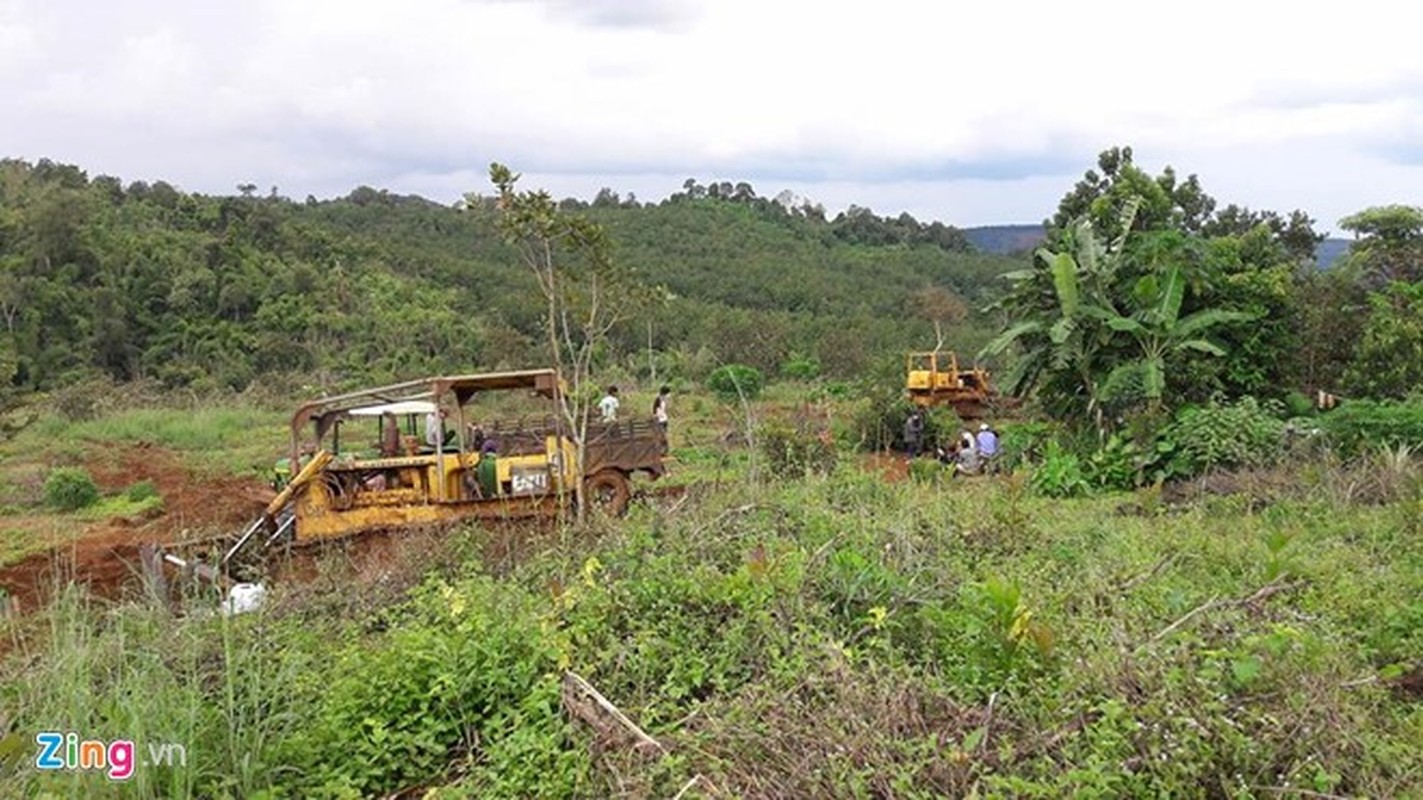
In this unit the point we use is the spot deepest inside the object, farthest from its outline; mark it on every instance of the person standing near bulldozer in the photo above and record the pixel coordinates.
(608, 406)
(434, 429)
(487, 470)
(659, 408)
(389, 435)
(914, 433)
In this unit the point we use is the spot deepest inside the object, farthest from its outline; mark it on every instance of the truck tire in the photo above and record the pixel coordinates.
(608, 492)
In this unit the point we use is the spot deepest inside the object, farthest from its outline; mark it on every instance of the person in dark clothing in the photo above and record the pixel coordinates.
(914, 433)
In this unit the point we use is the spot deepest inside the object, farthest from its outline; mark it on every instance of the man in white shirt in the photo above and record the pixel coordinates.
(987, 444)
(608, 406)
(659, 408)
(435, 428)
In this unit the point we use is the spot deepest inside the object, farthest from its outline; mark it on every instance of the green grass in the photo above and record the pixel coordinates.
(16, 544)
(121, 506)
(201, 429)
(231, 438)
(763, 631)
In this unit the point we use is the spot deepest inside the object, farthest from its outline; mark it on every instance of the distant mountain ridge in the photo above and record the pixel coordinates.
(1021, 238)
(1005, 239)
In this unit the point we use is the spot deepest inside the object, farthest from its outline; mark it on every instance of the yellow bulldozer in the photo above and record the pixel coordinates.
(361, 462)
(936, 379)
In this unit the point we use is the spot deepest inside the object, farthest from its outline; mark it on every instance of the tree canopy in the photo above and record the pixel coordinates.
(144, 280)
(1147, 293)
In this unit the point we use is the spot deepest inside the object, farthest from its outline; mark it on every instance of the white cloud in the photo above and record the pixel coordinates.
(966, 112)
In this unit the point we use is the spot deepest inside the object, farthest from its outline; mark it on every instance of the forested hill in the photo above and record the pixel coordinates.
(1005, 238)
(1018, 239)
(140, 280)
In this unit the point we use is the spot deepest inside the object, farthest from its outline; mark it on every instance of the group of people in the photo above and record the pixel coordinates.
(608, 406)
(436, 435)
(969, 454)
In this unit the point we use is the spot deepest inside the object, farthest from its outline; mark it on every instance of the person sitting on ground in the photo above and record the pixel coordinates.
(947, 454)
(968, 460)
(987, 445)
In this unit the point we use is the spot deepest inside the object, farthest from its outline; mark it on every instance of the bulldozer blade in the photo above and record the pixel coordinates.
(257, 524)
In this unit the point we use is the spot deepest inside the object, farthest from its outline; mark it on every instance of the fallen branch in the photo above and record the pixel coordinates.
(1265, 592)
(572, 682)
(1283, 790)
(1269, 590)
(695, 780)
(988, 722)
(724, 515)
(1140, 579)
(1209, 605)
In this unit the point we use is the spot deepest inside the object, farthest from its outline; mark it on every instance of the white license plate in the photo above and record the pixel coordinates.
(529, 481)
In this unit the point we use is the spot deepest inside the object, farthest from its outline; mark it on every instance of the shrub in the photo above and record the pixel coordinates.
(1359, 425)
(801, 367)
(70, 489)
(927, 470)
(1022, 441)
(1060, 473)
(143, 490)
(735, 381)
(792, 452)
(881, 427)
(471, 668)
(1117, 465)
(1218, 435)
(1299, 404)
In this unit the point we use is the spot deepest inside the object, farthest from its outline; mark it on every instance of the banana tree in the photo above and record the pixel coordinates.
(1159, 331)
(1062, 308)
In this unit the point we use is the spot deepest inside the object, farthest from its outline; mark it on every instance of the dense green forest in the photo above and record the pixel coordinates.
(147, 281)
(140, 280)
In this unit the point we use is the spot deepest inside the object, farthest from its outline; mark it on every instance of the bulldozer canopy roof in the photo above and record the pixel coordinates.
(426, 391)
(399, 407)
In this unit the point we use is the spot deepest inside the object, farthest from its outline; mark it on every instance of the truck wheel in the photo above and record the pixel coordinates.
(608, 491)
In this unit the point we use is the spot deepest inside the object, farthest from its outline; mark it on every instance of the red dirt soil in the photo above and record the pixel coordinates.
(891, 466)
(105, 555)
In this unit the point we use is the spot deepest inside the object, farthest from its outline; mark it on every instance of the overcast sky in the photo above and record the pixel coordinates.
(970, 113)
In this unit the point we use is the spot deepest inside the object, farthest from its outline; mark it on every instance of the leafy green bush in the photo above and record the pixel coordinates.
(143, 490)
(736, 381)
(1021, 442)
(472, 673)
(70, 489)
(1298, 404)
(880, 426)
(1117, 465)
(792, 452)
(1220, 435)
(1359, 425)
(801, 367)
(1059, 474)
(927, 470)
